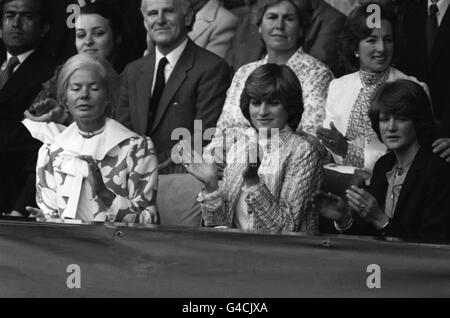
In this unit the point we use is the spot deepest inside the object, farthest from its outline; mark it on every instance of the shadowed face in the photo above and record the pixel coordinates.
(22, 29)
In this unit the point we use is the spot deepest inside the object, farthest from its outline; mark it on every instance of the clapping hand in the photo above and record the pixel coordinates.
(203, 170)
(47, 110)
(366, 206)
(333, 140)
(332, 207)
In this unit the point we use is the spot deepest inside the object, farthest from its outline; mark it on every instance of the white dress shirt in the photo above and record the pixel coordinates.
(172, 58)
(442, 6)
(22, 57)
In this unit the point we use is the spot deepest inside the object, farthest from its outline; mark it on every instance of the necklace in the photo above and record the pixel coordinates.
(90, 134)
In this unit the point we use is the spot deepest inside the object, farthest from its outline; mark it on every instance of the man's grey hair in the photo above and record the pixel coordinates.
(187, 7)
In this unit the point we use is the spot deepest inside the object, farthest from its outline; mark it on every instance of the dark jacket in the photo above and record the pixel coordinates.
(413, 58)
(423, 209)
(196, 90)
(18, 150)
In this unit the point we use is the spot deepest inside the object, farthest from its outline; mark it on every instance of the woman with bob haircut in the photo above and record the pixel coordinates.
(281, 24)
(368, 54)
(271, 175)
(96, 170)
(409, 194)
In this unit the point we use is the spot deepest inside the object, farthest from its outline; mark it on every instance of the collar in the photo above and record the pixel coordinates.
(441, 4)
(208, 11)
(22, 57)
(280, 140)
(292, 60)
(98, 146)
(173, 56)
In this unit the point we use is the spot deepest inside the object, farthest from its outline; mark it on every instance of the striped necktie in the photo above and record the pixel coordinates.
(9, 69)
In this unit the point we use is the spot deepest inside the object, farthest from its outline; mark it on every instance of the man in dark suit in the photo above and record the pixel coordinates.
(24, 24)
(323, 23)
(174, 85)
(424, 53)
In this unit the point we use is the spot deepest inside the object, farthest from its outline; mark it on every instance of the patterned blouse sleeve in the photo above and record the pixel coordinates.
(46, 196)
(142, 169)
(293, 212)
(315, 90)
(214, 205)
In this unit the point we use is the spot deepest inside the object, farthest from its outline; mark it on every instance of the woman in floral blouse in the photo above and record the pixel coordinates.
(96, 170)
(280, 24)
(270, 175)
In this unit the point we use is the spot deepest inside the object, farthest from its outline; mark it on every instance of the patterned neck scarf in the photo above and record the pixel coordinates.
(359, 126)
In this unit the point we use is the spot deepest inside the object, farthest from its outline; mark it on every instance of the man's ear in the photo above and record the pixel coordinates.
(45, 30)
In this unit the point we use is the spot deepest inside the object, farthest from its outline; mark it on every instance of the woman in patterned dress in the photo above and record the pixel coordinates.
(281, 24)
(368, 52)
(270, 176)
(96, 170)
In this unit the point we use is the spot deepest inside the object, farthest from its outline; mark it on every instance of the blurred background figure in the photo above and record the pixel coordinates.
(96, 170)
(321, 25)
(409, 194)
(271, 193)
(214, 27)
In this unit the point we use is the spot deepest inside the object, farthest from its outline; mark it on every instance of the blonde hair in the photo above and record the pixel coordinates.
(88, 61)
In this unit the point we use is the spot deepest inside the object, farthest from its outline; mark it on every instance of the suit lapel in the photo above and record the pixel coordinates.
(442, 39)
(144, 87)
(410, 181)
(204, 18)
(18, 79)
(175, 80)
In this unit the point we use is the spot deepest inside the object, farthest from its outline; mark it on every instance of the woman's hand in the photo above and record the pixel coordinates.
(95, 179)
(333, 140)
(39, 214)
(366, 206)
(205, 172)
(332, 207)
(47, 110)
(442, 148)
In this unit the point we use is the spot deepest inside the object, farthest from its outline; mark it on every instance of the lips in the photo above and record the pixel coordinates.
(380, 58)
(84, 107)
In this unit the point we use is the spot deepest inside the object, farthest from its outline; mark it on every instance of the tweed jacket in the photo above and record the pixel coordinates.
(289, 175)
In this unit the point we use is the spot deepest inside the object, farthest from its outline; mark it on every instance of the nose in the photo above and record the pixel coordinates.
(161, 18)
(84, 94)
(16, 20)
(263, 109)
(380, 46)
(392, 125)
(279, 23)
(88, 40)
